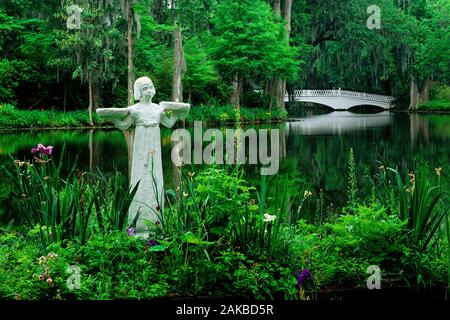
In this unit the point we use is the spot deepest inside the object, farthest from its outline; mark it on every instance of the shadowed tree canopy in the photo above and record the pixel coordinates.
(212, 51)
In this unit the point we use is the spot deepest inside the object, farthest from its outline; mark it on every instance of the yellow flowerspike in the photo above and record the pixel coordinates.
(438, 171)
(413, 177)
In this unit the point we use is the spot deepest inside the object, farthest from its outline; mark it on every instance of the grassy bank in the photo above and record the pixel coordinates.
(435, 105)
(11, 118)
(228, 114)
(439, 99)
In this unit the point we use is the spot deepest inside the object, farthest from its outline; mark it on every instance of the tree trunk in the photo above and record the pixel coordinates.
(237, 91)
(91, 155)
(425, 94)
(95, 92)
(279, 85)
(275, 85)
(414, 93)
(279, 93)
(190, 95)
(178, 66)
(90, 99)
(288, 18)
(130, 43)
(65, 96)
(276, 93)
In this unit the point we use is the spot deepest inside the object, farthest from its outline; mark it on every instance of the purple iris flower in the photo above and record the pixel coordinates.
(46, 151)
(152, 243)
(302, 276)
(131, 232)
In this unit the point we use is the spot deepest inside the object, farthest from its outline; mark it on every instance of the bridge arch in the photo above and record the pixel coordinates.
(338, 99)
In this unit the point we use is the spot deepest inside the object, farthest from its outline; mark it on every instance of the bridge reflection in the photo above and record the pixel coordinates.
(338, 122)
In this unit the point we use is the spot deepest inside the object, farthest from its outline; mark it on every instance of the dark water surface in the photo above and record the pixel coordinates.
(314, 149)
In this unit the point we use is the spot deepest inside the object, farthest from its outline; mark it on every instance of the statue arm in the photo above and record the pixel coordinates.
(173, 111)
(119, 116)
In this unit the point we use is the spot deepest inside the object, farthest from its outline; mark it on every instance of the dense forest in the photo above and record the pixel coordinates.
(218, 52)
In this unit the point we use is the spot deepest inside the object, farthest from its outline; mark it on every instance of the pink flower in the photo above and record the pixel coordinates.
(46, 151)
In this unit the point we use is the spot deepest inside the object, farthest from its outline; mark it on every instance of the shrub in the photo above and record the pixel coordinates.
(228, 114)
(339, 253)
(13, 118)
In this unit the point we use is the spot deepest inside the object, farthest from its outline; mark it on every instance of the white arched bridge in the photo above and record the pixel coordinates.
(340, 99)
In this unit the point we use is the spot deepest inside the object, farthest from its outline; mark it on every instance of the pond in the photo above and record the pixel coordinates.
(314, 151)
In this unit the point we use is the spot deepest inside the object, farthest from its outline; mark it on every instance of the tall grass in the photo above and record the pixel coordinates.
(64, 207)
(14, 118)
(416, 204)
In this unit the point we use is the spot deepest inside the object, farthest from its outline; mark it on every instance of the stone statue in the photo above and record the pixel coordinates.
(144, 139)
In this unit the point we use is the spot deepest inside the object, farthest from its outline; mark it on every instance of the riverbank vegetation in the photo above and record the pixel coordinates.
(439, 99)
(221, 236)
(219, 52)
(12, 118)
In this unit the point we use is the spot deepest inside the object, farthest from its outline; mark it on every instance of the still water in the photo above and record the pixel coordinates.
(313, 149)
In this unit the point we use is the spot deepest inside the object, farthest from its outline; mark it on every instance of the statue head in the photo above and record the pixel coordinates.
(144, 89)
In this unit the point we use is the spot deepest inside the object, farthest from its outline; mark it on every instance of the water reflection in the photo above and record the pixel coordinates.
(313, 151)
(419, 125)
(338, 122)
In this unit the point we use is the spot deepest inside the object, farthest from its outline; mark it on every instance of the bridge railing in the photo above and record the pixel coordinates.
(342, 93)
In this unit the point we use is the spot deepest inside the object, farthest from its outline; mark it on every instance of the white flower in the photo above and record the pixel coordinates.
(269, 218)
(307, 194)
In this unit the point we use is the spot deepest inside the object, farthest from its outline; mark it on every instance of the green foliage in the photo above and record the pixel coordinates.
(112, 201)
(352, 188)
(16, 257)
(9, 79)
(416, 204)
(435, 105)
(13, 118)
(89, 53)
(339, 253)
(10, 117)
(247, 41)
(433, 49)
(207, 203)
(224, 114)
(330, 45)
(220, 242)
(216, 240)
(439, 98)
(62, 207)
(201, 74)
(221, 194)
(370, 232)
(255, 279)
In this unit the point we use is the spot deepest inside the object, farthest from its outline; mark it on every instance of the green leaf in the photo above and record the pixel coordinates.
(189, 237)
